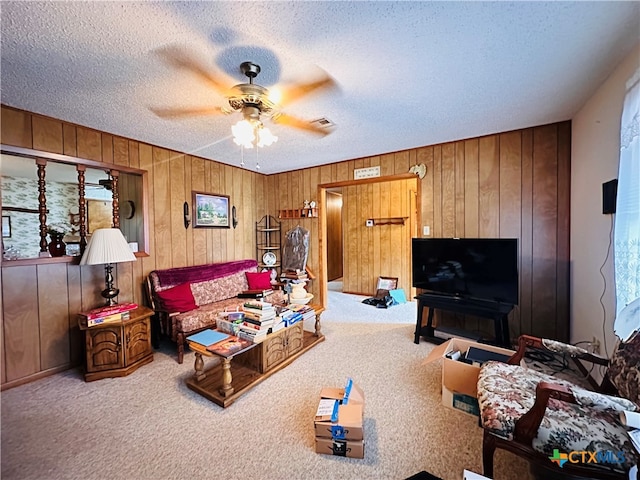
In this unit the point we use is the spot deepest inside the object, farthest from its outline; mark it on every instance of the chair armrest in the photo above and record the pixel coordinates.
(601, 401)
(527, 426)
(525, 341)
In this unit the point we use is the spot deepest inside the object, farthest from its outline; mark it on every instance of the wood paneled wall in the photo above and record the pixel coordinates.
(381, 250)
(513, 184)
(40, 301)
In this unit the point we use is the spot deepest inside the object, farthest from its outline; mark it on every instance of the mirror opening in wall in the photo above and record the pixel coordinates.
(54, 205)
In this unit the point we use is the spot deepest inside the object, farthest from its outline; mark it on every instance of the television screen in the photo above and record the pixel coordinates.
(474, 268)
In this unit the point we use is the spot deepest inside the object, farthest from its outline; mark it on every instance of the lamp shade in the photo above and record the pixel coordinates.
(107, 245)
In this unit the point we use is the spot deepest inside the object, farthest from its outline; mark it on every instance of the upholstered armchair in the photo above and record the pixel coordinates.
(539, 417)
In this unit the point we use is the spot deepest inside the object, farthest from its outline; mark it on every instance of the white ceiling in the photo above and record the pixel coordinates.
(410, 73)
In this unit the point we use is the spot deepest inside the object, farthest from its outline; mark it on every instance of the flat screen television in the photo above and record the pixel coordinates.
(472, 268)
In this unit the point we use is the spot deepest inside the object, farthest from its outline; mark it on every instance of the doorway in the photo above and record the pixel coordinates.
(379, 217)
(335, 244)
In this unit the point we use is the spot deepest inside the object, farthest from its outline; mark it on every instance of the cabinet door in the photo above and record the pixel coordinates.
(274, 349)
(295, 335)
(137, 340)
(104, 349)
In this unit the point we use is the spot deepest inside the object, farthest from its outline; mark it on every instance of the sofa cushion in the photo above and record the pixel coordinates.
(212, 291)
(177, 299)
(259, 280)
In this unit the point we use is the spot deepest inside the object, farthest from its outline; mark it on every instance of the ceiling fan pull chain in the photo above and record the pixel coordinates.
(241, 156)
(257, 159)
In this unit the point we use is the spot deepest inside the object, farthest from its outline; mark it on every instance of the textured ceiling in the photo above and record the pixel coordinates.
(409, 73)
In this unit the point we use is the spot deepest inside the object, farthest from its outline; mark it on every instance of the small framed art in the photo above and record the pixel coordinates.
(210, 210)
(387, 283)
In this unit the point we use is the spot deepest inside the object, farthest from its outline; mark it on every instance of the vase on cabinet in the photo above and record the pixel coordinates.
(56, 247)
(298, 292)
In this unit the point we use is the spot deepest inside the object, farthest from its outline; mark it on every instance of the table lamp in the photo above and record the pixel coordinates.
(107, 246)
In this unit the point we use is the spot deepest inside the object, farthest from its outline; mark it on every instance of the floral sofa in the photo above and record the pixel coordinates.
(189, 299)
(515, 416)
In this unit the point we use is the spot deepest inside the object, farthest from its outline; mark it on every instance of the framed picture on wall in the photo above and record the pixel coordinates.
(210, 210)
(385, 285)
(6, 226)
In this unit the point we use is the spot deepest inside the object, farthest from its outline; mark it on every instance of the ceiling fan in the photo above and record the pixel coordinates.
(251, 99)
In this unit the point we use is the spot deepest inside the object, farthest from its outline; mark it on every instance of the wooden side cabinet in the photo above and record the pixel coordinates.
(279, 346)
(274, 349)
(119, 348)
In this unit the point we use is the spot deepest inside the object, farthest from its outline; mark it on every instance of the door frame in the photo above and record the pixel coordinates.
(415, 220)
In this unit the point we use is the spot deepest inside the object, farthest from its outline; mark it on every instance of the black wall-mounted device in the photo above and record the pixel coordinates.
(609, 193)
(187, 216)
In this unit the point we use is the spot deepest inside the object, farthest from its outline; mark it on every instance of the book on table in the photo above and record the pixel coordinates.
(259, 318)
(108, 310)
(259, 293)
(257, 305)
(230, 346)
(254, 336)
(208, 337)
(114, 317)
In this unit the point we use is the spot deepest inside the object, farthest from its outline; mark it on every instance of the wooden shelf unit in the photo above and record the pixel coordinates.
(298, 213)
(268, 239)
(389, 221)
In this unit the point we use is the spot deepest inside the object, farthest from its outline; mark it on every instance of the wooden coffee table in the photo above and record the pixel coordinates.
(200, 375)
(226, 380)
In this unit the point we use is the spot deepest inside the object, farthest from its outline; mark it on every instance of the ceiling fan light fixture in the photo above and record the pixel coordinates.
(246, 133)
(243, 133)
(265, 137)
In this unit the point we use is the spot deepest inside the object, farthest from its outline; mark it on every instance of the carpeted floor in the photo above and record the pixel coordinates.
(361, 313)
(149, 425)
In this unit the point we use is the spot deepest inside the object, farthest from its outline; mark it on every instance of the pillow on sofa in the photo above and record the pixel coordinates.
(177, 299)
(259, 281)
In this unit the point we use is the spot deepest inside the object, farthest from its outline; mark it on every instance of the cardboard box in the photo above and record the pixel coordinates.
(340, 413)
(459, 401)
(459, 379)
(341, 448)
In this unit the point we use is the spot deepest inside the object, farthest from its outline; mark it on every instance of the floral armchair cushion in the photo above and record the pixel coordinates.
(624, 369)
(506, 392)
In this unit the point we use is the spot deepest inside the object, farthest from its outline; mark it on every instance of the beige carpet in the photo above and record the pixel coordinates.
(150, 426)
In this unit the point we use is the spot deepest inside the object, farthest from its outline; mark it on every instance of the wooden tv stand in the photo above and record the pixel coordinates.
(499, 312)
(227, 380)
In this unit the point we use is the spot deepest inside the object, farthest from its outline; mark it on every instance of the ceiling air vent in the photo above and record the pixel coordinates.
(323, 122)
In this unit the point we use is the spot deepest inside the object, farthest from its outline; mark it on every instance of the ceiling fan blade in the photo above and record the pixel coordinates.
(187, 112)
(295, 122)
(291, 93)
(181, 58)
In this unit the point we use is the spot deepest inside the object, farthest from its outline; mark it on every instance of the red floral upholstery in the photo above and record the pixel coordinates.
(536, 415)
(214, 287)
(507, 392)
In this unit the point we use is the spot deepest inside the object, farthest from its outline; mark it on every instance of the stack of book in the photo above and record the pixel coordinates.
(259, 293)
(259, 318)
(294, 275)
(107, 314)
(306, 311)
(290, 317)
